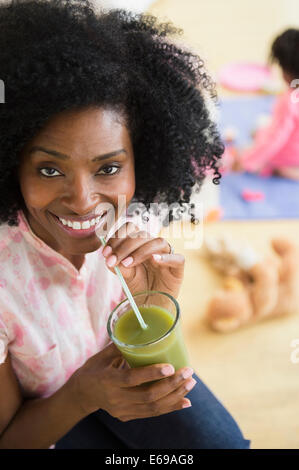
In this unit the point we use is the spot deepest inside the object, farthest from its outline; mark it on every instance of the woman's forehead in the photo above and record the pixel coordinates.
(86, 130)
(83, 121)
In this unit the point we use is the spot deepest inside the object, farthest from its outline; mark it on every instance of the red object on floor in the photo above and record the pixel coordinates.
(252, 196)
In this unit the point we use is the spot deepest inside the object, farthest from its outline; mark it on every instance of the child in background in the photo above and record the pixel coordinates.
(276, 146)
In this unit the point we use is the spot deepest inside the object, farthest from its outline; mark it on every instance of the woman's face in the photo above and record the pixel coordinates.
(78, 161)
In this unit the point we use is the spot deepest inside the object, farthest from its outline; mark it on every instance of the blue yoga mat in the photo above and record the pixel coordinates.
(281, 195)
(242, 114)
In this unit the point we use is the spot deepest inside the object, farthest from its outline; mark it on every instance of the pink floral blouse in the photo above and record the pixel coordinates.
(52, 316)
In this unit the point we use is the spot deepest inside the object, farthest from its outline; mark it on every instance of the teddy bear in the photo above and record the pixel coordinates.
(254, 287)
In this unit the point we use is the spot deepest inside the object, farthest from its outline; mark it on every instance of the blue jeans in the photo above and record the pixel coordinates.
(205, 425)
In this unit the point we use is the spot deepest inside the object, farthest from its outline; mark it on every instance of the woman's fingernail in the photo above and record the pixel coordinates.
(111, 261)
(157, 257)
(126, 262)
(186, 404)
(107, 250)
(167, 370)
(190, 384)
(187, 373)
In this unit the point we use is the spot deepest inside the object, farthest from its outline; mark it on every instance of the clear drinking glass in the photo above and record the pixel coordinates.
(161, 342)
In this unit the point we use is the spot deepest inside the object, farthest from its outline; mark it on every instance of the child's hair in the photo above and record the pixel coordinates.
(285, 51)
(58, 55)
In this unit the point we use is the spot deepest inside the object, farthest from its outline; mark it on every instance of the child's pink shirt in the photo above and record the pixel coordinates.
(52, 316)
(277, 145)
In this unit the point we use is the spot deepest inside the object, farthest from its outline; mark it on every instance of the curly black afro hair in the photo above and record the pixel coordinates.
(58, 55)
(285, 51)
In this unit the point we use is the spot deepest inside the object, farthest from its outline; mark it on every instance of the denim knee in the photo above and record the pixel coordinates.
(216, 428)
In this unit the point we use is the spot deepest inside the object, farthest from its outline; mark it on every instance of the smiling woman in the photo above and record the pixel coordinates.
(116, 60)
(97, 106)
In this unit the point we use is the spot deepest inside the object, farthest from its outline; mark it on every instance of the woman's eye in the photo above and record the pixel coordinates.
(48, 169)
(50, 172)
(110, 170)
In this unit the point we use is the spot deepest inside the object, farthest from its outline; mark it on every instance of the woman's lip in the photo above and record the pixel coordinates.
(77, 233)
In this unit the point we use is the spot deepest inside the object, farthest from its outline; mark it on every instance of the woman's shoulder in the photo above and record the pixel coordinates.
(12, 249)
(8, 236)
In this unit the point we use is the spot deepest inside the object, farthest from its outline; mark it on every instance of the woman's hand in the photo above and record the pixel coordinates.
(135, 252)
(106, 382)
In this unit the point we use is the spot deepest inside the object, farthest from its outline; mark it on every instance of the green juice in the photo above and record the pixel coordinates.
(148, 350)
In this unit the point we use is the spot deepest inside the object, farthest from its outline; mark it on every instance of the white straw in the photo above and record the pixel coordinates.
(128, 293)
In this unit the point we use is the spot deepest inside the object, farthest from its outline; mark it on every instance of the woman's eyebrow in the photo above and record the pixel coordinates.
(62, 156)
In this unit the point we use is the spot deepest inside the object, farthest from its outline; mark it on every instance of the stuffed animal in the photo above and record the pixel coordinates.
(253, 288)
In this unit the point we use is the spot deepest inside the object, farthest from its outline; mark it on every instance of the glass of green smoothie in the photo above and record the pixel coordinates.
(160, 342)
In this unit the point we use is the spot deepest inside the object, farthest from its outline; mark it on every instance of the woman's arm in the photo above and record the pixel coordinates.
(38, 423)
(101, 383)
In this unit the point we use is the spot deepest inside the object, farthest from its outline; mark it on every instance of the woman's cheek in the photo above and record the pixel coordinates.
(35, 193)
(127, 187)
(123, 188)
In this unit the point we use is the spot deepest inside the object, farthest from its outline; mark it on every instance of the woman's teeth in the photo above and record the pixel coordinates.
(80, 226)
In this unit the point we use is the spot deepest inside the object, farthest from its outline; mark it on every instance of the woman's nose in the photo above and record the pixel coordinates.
(81, 195)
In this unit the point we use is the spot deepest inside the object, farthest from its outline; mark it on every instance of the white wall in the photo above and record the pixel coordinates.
(291, 12)
(137, 6)
(225, 31)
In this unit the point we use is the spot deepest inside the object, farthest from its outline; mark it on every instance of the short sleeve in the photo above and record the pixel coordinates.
(3, 342)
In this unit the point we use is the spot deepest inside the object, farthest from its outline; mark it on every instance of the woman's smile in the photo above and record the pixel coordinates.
(80, 229)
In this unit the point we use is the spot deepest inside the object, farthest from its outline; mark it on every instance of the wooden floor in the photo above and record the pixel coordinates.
(250, 371)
